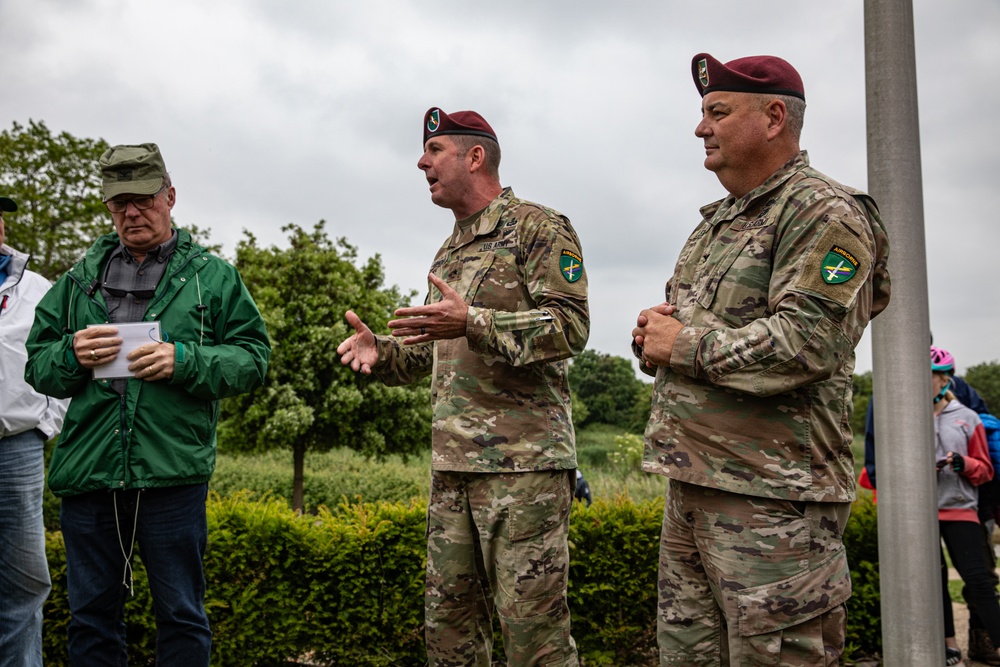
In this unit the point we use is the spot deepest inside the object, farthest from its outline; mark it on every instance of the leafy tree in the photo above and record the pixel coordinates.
(641, 407)
(56, 182)
(607, 385)
(310, 401)
(985, 378)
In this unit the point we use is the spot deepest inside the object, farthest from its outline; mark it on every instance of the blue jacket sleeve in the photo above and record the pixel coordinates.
(870, 442)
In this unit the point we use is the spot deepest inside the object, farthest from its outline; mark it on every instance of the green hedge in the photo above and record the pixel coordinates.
(864, 612)
(345, 587)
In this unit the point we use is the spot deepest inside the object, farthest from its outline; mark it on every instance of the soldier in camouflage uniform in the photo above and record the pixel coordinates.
(507, 307)
(753, 354)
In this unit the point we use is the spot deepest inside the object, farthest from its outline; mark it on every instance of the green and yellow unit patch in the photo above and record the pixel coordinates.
(571, 266)
(839, 266)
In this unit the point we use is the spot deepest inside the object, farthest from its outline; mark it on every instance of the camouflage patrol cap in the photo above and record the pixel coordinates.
(753, 74)
(134, 170)
(7, 204)
(437, 122)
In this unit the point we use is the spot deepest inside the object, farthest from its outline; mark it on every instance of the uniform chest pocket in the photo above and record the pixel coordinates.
(464, 274)
(732, 270)
(496, 283)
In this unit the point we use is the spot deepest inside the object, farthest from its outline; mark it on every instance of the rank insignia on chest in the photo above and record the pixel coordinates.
(571, 266)
(839, 266)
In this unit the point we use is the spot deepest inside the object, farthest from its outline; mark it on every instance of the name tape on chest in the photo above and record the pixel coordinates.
(496, 245)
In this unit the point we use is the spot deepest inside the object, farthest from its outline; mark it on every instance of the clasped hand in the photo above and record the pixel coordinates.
(655, 333)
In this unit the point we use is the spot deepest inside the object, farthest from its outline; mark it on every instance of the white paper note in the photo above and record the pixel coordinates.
(133, 335)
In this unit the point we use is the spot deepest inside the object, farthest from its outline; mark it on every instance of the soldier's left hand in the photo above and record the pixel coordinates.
(655, 333)
(153, 361)
(443, 320)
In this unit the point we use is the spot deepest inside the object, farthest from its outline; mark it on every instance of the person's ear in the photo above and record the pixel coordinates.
(777, 116)
(477, 157)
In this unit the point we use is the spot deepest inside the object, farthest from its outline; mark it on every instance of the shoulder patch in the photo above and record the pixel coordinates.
(570, 265)
(839, 266)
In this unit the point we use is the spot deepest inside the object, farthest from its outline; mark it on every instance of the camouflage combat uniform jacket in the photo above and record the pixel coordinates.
(774, 290)
(500, 395)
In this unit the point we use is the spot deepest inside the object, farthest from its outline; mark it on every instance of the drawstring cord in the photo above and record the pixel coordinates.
(127, 574)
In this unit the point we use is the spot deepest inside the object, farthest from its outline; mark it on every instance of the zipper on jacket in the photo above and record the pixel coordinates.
(124, 433)
(90, 295)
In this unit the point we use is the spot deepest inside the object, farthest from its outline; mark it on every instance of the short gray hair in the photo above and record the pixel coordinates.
(795, 106)
(491, 149)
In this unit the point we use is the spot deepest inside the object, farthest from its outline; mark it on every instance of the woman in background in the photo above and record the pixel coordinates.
(963, 463)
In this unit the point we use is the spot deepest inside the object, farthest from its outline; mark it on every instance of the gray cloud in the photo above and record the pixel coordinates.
(270, 113)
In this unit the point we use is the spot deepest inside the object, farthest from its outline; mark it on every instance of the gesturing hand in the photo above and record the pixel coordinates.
(443, 320)
(360, 350)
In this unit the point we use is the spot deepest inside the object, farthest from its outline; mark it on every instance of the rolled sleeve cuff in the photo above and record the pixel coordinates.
(684, 355)
(476, 326)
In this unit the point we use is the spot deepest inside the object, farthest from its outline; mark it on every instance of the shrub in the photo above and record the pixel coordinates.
(864, 613)
(345, 587)
(626, 459)
(614, 549)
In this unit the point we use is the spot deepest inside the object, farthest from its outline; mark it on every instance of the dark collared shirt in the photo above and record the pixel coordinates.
(124, 273)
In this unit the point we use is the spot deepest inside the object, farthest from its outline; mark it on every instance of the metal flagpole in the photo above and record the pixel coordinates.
(909, 567)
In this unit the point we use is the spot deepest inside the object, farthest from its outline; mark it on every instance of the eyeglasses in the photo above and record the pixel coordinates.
(140, 203)
(139, 294)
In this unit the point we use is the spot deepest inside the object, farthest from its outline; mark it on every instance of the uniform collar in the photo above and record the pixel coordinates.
(730, 207)
(486, 223)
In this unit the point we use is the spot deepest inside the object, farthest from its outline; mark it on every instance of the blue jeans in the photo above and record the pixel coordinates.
(24, 570)
(171, 532)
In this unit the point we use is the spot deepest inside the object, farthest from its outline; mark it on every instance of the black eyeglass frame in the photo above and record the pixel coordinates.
(143, 203)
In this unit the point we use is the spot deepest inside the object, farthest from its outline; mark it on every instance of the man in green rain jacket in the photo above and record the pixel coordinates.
(138, 448)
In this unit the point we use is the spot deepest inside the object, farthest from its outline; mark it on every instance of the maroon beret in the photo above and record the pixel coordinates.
(753, 74)
(437, 122)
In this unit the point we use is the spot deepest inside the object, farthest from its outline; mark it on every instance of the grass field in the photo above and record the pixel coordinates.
(609, 459)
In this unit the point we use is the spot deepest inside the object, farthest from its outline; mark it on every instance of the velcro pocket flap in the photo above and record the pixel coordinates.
(781, 604)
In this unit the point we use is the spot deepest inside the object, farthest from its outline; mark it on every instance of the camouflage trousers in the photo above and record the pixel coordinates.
(498, 541)
(750, 581)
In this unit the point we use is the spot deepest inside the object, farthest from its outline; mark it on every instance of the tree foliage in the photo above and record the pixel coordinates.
(56, 182)
(985, 379)
(310, 401)
(609, 389)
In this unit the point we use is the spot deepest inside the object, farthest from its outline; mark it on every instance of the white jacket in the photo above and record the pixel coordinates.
(21, 407)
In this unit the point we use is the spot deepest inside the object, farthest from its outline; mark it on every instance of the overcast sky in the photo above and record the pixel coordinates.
(270, 113)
